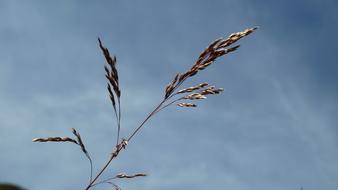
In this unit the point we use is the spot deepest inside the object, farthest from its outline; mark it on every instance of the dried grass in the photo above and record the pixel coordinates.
(172, 95)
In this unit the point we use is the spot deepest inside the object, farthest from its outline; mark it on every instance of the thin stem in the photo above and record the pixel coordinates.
(90, 162)
(103, 181)
(157, 108)
(91, 167)
(118, 122)
(99, 174)
(147, 118)
(167, 105)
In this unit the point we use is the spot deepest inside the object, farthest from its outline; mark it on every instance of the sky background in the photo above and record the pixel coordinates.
(274, 127)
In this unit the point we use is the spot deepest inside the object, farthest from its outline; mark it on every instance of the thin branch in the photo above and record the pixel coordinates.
(103, 181)
(91, 167)
(119, 121)
(99, 174)
(169, 104)
(120, 176)
(84, 150)
(115, 186)
(147, 118)
(115, 153)
(156, 110)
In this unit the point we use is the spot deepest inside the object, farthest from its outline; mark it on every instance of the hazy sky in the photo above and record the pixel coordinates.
(274, 127)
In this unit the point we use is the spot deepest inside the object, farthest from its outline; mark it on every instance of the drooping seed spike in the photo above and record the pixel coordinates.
(79, 140)
(55, 139)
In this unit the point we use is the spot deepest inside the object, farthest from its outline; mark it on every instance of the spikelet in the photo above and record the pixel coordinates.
(171, 86)
(194, 96)
(211, 90)
(123, 175)
(235, 37)
(188, 105)
(111, 96)
(193, 88)
(55, 139)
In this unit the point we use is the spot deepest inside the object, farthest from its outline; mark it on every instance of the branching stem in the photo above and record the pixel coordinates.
(120, 146)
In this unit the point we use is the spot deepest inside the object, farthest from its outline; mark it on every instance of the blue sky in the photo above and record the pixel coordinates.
(274, 127)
